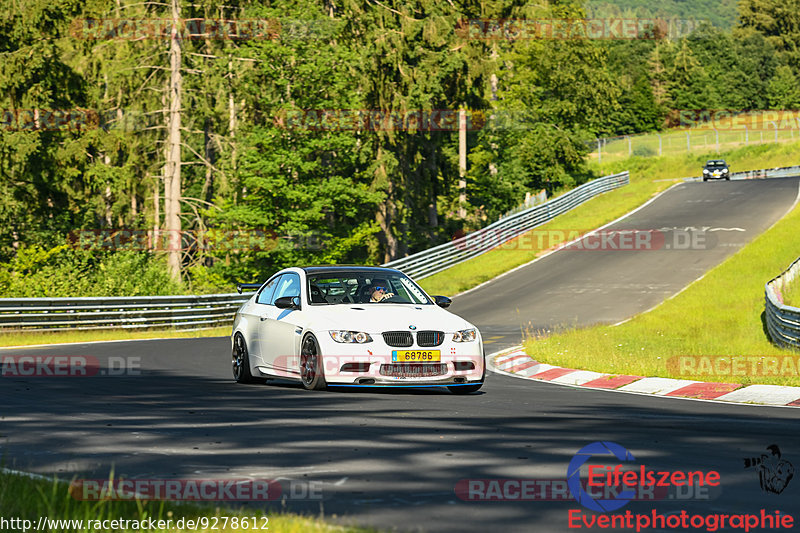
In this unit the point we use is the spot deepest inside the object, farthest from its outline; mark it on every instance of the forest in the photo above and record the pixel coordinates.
(167, 147)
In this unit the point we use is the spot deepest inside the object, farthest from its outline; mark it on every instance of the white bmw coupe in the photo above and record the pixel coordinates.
(354, 326)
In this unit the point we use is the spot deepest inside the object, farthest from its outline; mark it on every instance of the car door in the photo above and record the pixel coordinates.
(256, 313)
(280, 336)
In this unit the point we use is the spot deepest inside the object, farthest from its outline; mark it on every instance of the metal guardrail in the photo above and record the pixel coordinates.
(778, 172)
(186, 312)
(783, 321)
(429, 262)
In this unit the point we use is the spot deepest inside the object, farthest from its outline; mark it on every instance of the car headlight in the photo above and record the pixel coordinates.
(724, 170)
(356, 337)
(705, 171)
(465, 335)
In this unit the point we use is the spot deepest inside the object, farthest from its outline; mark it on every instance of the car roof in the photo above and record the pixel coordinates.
(716, 162)
(325, 269)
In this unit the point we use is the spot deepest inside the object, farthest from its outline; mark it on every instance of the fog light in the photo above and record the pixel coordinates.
(355, 367)
(463, 365)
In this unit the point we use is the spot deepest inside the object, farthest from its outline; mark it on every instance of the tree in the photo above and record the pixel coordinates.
(783, 90)
(689, 84)
(779, 21)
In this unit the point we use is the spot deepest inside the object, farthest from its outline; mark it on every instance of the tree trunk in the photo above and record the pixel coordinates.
(386, 214)
(207, 193)
(172, 182)
(462, 164)
(155, 240)
(231, 115)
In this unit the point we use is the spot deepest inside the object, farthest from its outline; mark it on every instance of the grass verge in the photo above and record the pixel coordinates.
(28, 499)
(720, 315)
(24, 338)
(649, 176)
(791, 294)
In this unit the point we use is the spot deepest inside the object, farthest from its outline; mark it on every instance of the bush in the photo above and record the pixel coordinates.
(64, 271)
(644, 151)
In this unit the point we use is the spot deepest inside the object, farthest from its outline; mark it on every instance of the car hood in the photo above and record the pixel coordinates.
(376, 318)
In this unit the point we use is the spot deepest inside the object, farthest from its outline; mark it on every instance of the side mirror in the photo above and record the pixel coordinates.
(442, 301)
(247, 286)
(288, 302)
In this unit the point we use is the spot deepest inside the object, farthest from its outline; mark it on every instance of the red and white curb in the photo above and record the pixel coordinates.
(515, 362)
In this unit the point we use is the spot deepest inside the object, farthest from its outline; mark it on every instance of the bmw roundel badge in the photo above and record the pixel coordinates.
(412, 327)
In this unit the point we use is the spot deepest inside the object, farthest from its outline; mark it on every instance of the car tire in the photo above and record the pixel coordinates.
(705, 179)
(312, 373)
(240, 361)
(727, 178)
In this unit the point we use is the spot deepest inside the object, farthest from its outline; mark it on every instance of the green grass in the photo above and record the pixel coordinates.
(791, 295)
(718, 315)
(24, 338)
(649, 176)
(26, 498)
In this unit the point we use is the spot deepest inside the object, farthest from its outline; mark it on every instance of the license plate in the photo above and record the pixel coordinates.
(416, 356)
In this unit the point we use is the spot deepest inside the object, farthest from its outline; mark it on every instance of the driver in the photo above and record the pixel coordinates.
(379, 291)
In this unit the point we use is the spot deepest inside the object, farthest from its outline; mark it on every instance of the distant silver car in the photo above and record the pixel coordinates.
(716, 169)
(323, 326)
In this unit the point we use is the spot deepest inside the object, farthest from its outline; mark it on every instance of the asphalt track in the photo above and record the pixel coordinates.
(393, 458)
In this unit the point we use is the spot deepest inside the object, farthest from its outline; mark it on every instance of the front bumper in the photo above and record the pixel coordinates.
(716, 175)
(375, 360)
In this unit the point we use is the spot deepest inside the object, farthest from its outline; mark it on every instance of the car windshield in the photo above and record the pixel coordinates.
(716, 163)
(357, 287)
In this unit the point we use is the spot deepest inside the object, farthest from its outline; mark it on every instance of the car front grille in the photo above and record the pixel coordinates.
(398, 338)
(411, 370)
(430, 338)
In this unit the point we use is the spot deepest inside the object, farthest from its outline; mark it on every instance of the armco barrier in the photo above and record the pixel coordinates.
(182, 312)
(778, 172)
(438, 258)
(783, 321)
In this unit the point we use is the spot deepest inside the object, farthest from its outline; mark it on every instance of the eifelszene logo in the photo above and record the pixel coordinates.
(774, 472)
(621, 482)
(574, 476)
